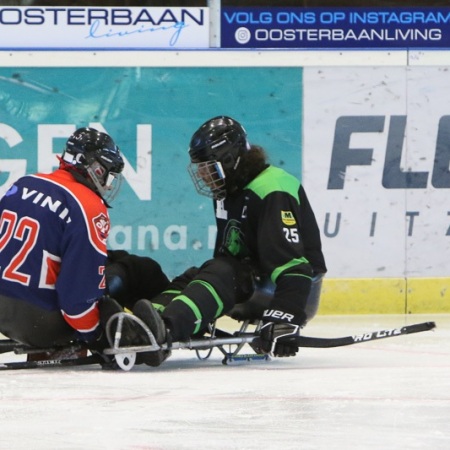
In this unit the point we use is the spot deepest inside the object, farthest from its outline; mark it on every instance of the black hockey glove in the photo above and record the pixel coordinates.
(278, 333)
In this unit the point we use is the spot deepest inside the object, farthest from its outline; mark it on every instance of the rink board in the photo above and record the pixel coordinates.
(386, 243)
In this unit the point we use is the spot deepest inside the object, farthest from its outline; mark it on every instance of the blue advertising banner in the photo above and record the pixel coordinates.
(358, 28)
(151, 113)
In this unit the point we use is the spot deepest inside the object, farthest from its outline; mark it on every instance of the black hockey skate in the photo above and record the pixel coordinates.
(131, 333)
(144, 310)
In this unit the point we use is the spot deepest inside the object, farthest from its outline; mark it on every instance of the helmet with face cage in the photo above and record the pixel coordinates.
(95, 160)
(215, 151)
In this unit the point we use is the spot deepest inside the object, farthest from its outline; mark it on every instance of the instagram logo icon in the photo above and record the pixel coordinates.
(242, 35)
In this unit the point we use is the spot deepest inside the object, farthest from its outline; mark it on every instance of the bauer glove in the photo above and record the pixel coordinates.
(279, 332)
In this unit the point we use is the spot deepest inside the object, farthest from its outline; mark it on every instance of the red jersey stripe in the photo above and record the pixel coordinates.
(85, 322)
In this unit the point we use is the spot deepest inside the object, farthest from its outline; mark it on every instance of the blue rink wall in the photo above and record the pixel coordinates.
(158, 212)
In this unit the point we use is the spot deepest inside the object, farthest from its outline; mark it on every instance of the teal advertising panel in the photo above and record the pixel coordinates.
(151, 113)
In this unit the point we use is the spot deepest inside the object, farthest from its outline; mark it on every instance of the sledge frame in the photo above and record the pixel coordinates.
(126, 355)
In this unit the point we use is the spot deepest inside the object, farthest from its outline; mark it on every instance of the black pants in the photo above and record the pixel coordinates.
(130, 277)
(31, 325)
(200, 295)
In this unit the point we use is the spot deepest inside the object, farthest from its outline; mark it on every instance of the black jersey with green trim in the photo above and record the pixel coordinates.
(271, 222)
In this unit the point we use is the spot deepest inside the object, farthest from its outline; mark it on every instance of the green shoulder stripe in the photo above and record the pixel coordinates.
(274, 179)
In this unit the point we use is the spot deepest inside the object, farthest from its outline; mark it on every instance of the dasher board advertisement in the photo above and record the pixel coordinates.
(376, 155)
(103, 28)
(343, 28)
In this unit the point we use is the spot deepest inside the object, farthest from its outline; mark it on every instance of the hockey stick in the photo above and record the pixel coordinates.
(315, 342)
(305, 341)
(83, 361)
(8, 345)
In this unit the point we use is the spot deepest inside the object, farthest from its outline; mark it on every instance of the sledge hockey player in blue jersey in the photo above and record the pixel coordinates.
(53, 232)
(268, 247)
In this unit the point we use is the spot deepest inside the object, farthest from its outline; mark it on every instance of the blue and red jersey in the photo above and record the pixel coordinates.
(53, 233)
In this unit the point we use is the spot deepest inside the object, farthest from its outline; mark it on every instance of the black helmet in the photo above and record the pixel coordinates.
(215, 151)
(94, 155)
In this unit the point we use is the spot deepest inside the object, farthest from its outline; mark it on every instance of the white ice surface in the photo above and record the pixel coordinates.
(387, 394)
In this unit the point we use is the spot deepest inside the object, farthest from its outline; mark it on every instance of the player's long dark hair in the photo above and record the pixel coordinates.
(251, 164)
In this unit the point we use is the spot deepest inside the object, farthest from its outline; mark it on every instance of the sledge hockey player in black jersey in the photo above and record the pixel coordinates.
(53, 232)
(267, 241)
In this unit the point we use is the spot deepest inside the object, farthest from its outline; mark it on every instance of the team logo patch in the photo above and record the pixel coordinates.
(101, 226)
(287, 218)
